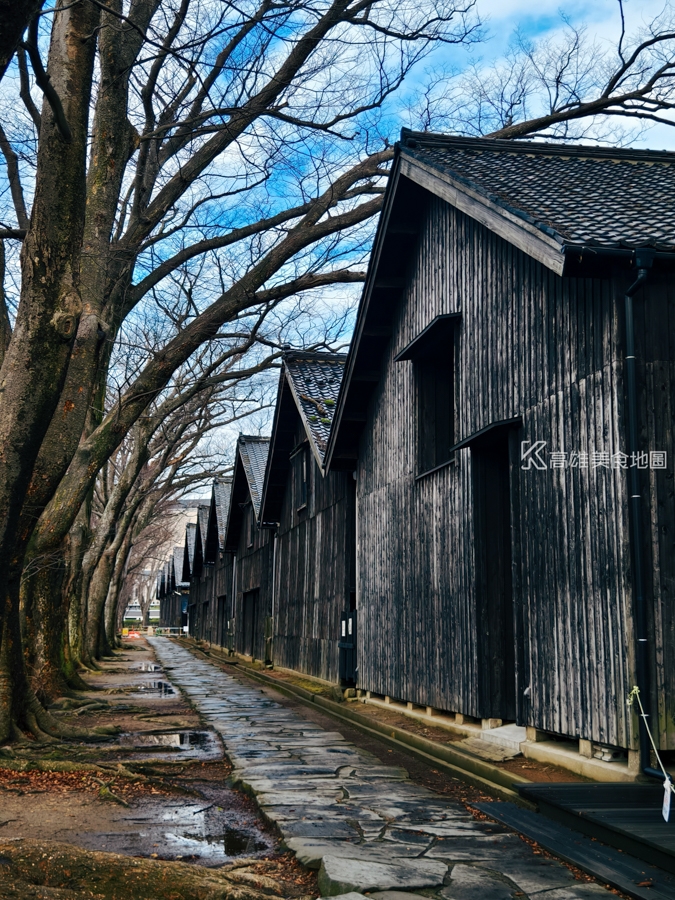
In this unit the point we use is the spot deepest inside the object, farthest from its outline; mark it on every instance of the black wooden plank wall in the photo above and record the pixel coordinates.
(254, 572)
(548, 349)
(314, 548)
(655, 342)
(215, 582)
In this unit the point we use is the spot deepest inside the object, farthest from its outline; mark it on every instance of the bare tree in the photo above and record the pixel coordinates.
(232, 134)
(566, 87)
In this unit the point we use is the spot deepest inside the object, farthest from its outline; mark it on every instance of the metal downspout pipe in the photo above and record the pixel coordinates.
(644, 262)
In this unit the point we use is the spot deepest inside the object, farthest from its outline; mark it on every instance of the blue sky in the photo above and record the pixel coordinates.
(544, 20)
(601, 18)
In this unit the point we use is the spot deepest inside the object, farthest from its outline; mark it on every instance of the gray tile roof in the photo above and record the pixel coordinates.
(253, 451)
(178, 553)
(582, 195)
(190, 537)
(315, 380)
(203, 519)
(222, 491)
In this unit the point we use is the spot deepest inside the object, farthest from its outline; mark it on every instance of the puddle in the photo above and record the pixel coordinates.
(238, 843)
(190, 744)
(161, 687)
(148, 667)
(218, 848)
(211, 833)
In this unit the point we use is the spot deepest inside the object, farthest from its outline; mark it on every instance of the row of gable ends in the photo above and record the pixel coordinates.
(309, 386)
(247, 484)
(203, 538)
(577, 210)
(170, 576)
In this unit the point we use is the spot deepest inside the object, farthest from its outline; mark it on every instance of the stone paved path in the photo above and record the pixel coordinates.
(365, 825)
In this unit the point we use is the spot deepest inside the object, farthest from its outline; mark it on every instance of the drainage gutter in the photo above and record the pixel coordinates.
(643, 261)
(457, 763)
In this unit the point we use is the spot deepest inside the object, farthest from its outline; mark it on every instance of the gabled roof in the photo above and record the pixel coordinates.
(247, 484)
(178, 553)
(574, 209)
(222, 492)
(217, 518)
(253, 454)
(314, 380)
(203, 523)
(309, 386)
(202, 537)
(568, 196)
(189, 550)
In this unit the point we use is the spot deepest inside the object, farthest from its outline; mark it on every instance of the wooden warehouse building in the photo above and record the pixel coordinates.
(251, 548)
(313, 518)
(173, 592)
(484, 412)
(211, 569)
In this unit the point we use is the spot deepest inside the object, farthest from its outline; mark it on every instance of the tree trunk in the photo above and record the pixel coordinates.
(99, 584)
(15, 16)
(5, 325)
(79, 540)
(44, 634)
(112, 600)
(95, 601)
(36, 361)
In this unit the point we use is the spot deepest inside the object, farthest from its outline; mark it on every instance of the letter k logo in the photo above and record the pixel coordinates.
(530, 456)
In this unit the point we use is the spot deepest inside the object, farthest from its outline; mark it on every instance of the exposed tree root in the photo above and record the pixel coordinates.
(16, 735)
(36, 869)
(106, 794)
(77, 683)
(44, 726)
(48, 765)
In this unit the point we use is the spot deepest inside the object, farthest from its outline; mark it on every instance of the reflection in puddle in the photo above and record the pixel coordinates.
(191, 744)
(161, 687)
(232, 844)
(241, 843)
(212, 832)
(149, 667)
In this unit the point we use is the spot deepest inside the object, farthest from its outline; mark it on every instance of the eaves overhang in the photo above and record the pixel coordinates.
(373, 265)
(267, 499)
(240, 492)
(547, 248)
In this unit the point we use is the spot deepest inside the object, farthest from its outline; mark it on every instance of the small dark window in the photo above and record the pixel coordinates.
(435, 405)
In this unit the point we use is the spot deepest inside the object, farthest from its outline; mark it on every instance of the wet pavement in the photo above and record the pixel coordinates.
(211, 830)
(202, 745)
(365, 826)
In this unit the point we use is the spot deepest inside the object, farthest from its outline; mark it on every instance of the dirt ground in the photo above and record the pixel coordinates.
(158, 791)
(152, 812)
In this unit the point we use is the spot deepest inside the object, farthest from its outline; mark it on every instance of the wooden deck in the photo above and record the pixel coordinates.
(626, 816)
(610, 866)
